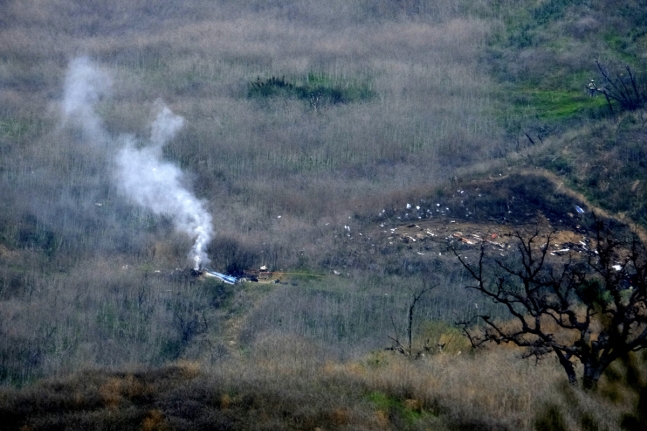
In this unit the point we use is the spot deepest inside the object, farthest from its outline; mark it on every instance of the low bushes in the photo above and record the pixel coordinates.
(317, 89)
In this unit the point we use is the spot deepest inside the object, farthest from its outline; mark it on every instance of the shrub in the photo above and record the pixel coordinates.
(318, 89)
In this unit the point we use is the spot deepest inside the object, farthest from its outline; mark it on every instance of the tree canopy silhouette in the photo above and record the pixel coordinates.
(588, 306)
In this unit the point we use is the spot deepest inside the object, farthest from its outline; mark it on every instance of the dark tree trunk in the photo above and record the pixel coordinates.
(592, 373)
(568, 367)
(594, 367)
(410, 328)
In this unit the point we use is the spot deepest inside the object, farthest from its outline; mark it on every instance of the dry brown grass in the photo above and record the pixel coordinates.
(99, 301)
(289, 386)
(258, 162)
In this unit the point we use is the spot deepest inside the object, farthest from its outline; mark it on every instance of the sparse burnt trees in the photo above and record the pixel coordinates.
(589, 307)
(623, 89)
(397, 345)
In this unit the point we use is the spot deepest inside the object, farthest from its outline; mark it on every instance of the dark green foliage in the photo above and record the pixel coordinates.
(33, 234)
(270, 87)
(397, 408)
(637, 420)
(593, 292)
(317, 89)
(550, 419)
(636, 381)
(234, 256)
(523, 32)
(552, 10)
(218, 293)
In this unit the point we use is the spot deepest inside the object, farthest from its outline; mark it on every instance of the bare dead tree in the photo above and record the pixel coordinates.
(397, 345)
(623, 89)
(589, 307)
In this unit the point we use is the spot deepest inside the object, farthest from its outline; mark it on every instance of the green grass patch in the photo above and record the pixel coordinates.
(409, 410)
(552, 106)
(315, 88)
(12, 129)
(22, 129)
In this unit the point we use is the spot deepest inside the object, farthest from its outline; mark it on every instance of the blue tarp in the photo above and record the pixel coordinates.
(223, 277)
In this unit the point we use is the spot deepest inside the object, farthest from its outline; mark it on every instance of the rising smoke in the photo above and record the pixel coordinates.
(141, 174)
(85, 85)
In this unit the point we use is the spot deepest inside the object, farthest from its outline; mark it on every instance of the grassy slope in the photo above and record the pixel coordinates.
(435, 111)
(548, 54)
(83, 259)
(290, 391)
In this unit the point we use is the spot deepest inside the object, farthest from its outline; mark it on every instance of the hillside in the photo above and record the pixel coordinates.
(351, 148)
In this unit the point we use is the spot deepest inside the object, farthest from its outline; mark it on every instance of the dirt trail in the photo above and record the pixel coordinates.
(561, 188)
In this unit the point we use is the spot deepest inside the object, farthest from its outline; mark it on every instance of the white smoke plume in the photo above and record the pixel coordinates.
(141, 173)
(85, 85)
(157, 185)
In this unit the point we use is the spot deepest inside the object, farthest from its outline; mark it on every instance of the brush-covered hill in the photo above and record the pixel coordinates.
(347, 146)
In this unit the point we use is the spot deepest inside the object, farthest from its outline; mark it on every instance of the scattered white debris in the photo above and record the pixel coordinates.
(617, 267)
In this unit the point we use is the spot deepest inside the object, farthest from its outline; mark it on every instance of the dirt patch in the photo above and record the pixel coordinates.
(490, 212)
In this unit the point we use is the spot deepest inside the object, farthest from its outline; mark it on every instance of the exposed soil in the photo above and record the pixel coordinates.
(488, 211)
